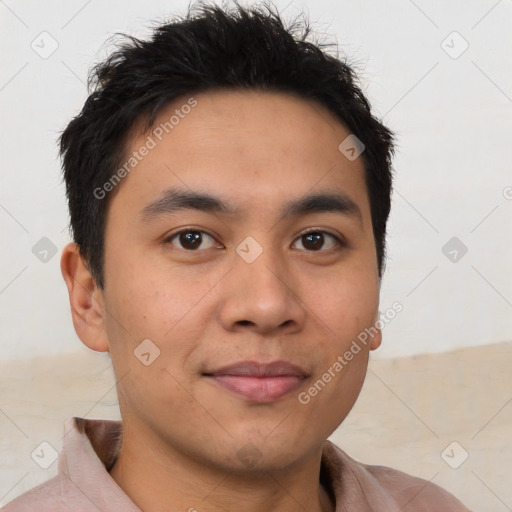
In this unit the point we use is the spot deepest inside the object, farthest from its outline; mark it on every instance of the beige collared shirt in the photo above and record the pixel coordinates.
(90, 447)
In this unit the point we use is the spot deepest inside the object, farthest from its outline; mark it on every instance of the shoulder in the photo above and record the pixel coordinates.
(45, 497)
(381, 484)
(415, 493)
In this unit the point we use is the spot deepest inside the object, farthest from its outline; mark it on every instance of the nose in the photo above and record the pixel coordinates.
(262, 296)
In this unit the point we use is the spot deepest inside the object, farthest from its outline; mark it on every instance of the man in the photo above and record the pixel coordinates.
(229, 190)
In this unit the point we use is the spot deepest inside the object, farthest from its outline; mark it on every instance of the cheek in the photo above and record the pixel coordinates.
(333, 392)
(150, 336)
(346, 308)
(159, 306)
(346, 305)
(146, 304)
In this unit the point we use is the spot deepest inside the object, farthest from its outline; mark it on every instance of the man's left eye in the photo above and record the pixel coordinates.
(316, 240)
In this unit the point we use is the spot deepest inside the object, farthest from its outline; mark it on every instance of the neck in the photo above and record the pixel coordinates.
(167, 480)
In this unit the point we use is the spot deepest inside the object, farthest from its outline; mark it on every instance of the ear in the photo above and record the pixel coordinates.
(376, 340)
(85, 298)
(377, 337)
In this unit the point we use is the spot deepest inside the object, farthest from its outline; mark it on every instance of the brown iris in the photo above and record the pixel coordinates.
(313, 241)
(190, 239)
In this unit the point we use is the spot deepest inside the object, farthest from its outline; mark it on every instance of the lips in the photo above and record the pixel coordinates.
(259, 382)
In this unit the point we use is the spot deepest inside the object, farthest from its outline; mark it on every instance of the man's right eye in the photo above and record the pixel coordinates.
(190, 239)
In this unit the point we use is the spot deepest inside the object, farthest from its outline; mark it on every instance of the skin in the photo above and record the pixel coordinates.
(208, 307)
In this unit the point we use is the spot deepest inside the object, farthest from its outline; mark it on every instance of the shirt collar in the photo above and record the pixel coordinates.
(91, 447)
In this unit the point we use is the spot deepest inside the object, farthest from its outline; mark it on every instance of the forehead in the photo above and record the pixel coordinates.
(249, 145)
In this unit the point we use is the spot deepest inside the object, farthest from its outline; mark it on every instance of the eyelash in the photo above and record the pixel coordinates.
(339, 240)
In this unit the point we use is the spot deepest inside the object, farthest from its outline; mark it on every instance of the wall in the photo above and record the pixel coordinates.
(453, 177)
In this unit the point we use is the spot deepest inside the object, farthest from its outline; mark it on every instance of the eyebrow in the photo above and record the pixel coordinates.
(177, 199)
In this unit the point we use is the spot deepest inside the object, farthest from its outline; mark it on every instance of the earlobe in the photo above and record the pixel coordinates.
(85, 298)
(376, 340)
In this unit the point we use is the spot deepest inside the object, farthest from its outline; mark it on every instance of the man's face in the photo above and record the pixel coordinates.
(213, 298)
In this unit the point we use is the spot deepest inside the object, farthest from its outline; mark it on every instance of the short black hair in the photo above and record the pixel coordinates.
(211, 47)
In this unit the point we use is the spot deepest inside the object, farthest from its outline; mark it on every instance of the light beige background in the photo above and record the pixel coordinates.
(409, 411)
